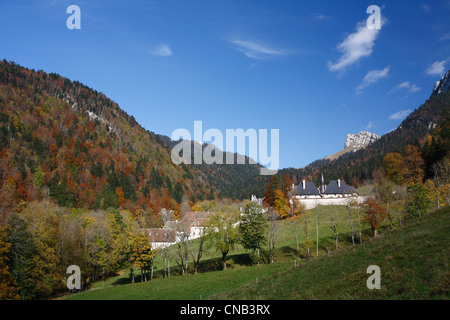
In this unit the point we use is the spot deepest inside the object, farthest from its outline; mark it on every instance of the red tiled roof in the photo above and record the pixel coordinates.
(160, 235)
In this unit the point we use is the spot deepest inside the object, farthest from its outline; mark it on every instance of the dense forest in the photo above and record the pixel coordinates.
(62, 140)
(233, 181)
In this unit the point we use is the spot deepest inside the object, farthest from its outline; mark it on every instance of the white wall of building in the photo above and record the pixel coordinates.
(161, 245)
(312, 203)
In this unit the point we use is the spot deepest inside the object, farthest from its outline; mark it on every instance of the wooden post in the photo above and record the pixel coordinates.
(317, 232)
(351, 224)
(359, 222)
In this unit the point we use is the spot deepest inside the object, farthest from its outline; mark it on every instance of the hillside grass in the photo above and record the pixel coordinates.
(413, 262)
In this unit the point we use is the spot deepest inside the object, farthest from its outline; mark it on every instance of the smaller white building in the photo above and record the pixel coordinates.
(161, 238)
(192, 225)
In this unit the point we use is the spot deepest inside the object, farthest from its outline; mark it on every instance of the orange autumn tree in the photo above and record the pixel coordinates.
(120, 197)
(375, 213)
(414, 165)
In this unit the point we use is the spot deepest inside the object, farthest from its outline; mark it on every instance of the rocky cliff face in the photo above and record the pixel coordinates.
(442, 85)
(360, 140)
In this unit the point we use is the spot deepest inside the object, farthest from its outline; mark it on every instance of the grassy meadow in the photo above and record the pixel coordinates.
(413, 259)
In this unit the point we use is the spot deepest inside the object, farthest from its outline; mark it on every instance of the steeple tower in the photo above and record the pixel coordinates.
(322, 187)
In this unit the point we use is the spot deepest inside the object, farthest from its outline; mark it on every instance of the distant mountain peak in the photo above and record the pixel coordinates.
(355, 142)
(360, 140)
(442, 85)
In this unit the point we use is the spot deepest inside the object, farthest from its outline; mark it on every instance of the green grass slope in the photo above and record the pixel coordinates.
(413, 262)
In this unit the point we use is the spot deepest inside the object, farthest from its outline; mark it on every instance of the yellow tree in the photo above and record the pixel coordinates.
(142, 257)
(177, 212)
(393, 166)
(197, 208)
(281, 204)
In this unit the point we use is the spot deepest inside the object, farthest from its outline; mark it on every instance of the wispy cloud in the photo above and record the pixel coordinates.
(445, 37)
(162, 50)
(320, 16)
(256, 50)
(437, 68)
(372, 77)
(399, 115)
(405, 85)
(370, 125)
(355, 46)
(425, 7)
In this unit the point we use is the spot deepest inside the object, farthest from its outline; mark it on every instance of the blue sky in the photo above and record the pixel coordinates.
(311, 69)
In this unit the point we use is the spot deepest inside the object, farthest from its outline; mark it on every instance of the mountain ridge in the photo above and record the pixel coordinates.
(361, 139)
(442, 85)
(359, 166)
(64, 140)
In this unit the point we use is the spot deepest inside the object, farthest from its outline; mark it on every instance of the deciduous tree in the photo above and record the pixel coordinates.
(252, 229)
(418, 201)
(142, 257)
(393, 165)
(223, 233)
(375, 213)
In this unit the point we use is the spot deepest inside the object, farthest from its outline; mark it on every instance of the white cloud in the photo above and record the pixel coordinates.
(257, 51)
(370, 125)
(437, 68)
(320, 16)
(405, 85)
(414, 88)
(400, 115)
(162, 50)
(355, 46)
(372, 77)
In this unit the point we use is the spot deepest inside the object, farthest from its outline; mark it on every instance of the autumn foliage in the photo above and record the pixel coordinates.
(375, 213)
(63, 140)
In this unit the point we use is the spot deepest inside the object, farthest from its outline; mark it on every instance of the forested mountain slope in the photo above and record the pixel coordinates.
(425, 127)
(63, 140)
